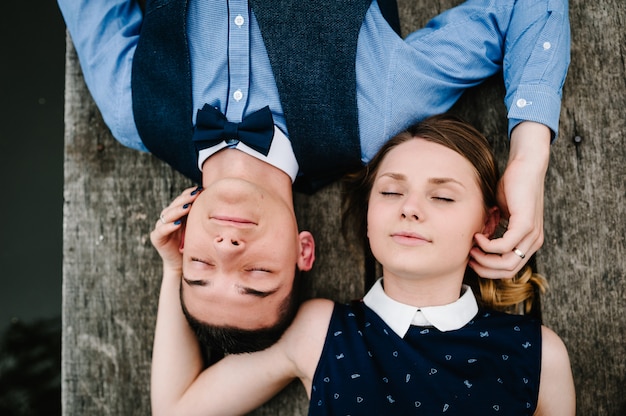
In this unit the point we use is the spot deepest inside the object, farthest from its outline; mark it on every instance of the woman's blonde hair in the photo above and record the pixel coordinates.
(513, 295)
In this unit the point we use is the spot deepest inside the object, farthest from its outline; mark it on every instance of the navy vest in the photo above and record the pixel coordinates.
(316, 84)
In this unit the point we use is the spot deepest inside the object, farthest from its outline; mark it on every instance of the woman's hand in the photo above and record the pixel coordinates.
(167, 236)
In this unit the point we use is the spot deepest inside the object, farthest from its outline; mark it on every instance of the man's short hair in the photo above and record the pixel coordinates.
(232, 340)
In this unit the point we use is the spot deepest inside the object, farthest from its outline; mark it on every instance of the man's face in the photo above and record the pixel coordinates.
(241, 250)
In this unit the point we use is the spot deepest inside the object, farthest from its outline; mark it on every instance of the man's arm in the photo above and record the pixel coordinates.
(536, 58)
(105, 34)
(520, 197)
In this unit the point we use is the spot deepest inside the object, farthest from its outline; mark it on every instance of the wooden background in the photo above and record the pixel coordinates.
(113, 195)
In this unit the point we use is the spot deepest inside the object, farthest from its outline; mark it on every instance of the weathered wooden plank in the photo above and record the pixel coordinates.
(584, 252)
(111, 275)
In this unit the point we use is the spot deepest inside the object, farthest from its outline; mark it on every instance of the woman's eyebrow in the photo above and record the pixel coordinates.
(394, 175)
(443, 181)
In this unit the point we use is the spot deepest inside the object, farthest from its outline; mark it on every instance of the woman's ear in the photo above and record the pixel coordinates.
(491, 222)
(306, 256)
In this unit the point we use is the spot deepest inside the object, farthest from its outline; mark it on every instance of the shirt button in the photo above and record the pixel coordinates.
(239, 20)
(547, 45)
(521, 103)
(238, 95)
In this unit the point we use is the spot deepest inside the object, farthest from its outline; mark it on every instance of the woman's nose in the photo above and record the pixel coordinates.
(411, 210)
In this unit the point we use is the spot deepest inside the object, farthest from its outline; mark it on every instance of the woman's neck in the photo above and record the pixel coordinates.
(422, 292)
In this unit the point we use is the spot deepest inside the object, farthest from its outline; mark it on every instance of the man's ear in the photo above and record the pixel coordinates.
(491, 222)
(306, 255)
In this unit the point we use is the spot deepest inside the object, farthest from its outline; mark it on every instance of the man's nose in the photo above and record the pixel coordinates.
(228, 243)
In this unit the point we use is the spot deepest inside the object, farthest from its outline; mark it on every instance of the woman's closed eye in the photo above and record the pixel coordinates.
(390, 193)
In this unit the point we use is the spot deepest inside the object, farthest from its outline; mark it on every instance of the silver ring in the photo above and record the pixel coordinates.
(519, 252)
(164, 222)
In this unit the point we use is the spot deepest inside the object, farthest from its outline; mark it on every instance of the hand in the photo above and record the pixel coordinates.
(168, 230)
(520, 197)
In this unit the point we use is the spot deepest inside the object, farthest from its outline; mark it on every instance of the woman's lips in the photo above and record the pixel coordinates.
(409, 239)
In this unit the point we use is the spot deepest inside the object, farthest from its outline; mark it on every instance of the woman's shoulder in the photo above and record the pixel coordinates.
(304, 339)
(556, 377)
(553, 351)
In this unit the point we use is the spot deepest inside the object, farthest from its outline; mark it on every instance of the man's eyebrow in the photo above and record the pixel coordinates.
(249, 291)
(199, 282)
(243, 289)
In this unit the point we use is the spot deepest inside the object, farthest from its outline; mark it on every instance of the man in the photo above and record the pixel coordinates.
(194, 58)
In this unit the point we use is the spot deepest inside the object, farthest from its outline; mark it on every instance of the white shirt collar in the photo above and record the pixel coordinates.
(400, 317)
(280, 155)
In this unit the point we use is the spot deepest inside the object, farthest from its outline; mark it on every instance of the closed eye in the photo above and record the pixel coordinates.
(259, 269)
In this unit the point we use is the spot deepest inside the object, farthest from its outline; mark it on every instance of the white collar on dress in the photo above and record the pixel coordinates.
(400, 316)
(280, 155)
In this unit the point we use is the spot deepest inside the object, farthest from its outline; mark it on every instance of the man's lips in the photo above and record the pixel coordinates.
(409, 239)
(232, 221)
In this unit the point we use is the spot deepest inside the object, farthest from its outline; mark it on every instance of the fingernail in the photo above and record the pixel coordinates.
(186, 206)
(177, 222)
(195, 191)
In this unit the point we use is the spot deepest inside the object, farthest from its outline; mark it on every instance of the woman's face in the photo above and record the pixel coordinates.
(424, 209)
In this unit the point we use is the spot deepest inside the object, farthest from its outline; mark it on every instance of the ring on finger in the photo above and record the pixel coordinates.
(519, 252)
(165, 222)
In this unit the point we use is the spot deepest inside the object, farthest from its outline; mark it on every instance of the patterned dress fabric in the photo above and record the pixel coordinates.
(491, 366)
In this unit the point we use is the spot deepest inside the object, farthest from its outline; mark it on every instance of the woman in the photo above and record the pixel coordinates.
(418, 343)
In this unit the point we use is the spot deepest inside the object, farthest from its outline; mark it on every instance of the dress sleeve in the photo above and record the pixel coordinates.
(105, 35)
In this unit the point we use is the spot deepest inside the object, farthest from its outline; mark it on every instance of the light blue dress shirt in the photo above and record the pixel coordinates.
(399, 81)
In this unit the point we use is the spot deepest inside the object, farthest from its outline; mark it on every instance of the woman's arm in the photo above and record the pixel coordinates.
(181, 386)
(557, 396)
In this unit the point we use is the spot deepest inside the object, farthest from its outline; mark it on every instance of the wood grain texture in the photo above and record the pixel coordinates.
(113, 196)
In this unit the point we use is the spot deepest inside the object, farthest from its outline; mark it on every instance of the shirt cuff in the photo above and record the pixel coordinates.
(538, 103)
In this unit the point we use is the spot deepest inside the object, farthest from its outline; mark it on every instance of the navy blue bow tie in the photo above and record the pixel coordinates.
(255, 130)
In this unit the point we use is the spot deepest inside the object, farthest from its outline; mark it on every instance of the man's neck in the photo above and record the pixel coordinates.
(232, 163)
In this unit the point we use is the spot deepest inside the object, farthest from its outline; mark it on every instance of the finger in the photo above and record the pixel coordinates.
(180, 206)
(162, 232)
(188, 195)
(509, 241)
(495, 266)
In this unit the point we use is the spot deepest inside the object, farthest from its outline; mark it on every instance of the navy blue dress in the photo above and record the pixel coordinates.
(491, 366)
